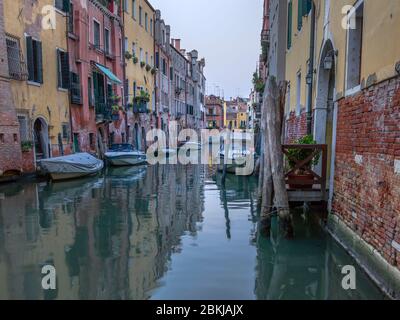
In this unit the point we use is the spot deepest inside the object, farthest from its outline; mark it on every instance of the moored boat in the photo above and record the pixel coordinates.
(124, 155)
(72, 166)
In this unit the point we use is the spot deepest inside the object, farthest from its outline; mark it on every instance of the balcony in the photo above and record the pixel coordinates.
(103, 112)
(140, 107)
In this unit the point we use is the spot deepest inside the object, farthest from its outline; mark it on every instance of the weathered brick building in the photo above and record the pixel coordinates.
(10, 150)
(96, 59)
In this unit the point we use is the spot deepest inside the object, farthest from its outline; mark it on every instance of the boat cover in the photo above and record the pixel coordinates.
(79, 162)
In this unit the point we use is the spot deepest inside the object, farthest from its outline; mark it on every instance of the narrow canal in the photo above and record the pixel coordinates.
(161, 232)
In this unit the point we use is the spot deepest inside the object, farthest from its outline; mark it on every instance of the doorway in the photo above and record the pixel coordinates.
(41, 139)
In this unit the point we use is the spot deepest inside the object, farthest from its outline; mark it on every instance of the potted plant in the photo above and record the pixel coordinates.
(135, 60)
(26, 146)
(148, 67)
(128, 55)
(153, 71)
(142, 64)
(295, 156)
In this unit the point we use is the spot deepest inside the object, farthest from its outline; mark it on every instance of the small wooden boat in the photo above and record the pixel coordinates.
(124, 155)
(72, 166)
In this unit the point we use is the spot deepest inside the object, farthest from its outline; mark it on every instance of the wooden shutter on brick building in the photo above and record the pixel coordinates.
(76, 94)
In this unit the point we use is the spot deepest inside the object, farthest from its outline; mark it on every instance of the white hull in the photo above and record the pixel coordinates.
(125, 158)
(126, 161)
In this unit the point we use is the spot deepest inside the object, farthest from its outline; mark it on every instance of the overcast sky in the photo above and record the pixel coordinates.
(225, 32)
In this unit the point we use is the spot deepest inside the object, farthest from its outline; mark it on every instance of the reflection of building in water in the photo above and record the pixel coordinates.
(109, 238)
(308, 267)
(170, 204)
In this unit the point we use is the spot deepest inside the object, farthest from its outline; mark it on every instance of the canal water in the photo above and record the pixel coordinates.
(162, 232)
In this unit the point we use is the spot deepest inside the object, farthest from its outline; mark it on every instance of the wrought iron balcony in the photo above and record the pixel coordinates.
(103, 112)
(140, 107)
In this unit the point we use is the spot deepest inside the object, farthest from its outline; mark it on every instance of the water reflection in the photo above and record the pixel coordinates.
(160, 232)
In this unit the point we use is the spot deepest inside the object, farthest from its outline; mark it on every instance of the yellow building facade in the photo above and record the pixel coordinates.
(139, 18)
(37, 51)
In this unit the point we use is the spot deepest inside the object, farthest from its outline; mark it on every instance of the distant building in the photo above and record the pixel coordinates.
(214, 112)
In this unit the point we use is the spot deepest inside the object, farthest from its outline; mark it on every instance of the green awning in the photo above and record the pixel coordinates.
(111, 76)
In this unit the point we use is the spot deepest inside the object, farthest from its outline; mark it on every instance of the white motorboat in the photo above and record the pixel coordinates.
(237, 155)
(124, 155)
(72, 166)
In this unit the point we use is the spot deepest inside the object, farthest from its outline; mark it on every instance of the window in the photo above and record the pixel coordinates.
(290, 24)
(140, 15)
(134, 9)
(163, 37)
(354, 49)
(287, 106)
(71, 18)
(107, 37)
(141, 55)
(298, 99)
(151, 26)
(96, 34)
(14, 58)
(133, 49)
(152, 61)
(304, 7)
(65, 131)
(164, 67)
(147, 58)
(90, 92)
(157, 59)
(63, 69)
(126, 45)
(171, 73)
(76, 97)
(125, 5)
(34, 57)
(23, 127)
(145, 21)
(62, 5)
(91, 140)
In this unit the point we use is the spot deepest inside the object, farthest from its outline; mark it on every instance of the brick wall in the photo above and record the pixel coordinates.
(10, 147)
(296, 126)
(367, 178)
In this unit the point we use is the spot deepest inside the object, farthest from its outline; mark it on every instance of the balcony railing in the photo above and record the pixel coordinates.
(103, 111)
(140, 107)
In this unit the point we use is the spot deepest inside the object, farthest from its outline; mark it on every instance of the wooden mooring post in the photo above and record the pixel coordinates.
(274, 182)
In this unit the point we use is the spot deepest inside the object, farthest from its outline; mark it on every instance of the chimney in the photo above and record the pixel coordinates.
(177, 44)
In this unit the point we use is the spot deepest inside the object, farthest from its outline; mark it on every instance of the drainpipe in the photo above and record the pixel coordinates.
(311, 69)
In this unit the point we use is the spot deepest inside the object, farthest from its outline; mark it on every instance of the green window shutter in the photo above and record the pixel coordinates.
(39, 62)
(300, 9)
(29, 58)
(66, 4)
(65, 70)
(59, 81)
(290, 25)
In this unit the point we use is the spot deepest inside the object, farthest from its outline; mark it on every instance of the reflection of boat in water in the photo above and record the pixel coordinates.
(237, 154)
(124, 155)
(126, 174)
(72, 166)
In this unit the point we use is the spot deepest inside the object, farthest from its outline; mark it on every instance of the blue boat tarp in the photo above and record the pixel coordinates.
(108, 73)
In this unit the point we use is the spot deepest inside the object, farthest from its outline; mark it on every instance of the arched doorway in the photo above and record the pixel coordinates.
(41, 139)
(324, 109)
(144, 138)
(136, 136)
(100, 143)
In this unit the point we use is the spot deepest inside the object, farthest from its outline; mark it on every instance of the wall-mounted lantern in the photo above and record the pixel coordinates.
(328, 62)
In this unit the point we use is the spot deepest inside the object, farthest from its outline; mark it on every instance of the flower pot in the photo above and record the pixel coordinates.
(305, 181)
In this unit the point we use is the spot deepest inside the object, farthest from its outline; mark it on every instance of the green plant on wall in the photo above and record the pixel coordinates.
(143, 96)
(26, 146)
(135, 60)
(298, 155)
(259, 84)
